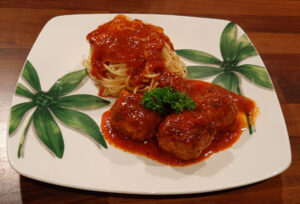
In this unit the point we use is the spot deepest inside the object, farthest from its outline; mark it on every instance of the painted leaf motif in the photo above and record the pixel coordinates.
(228, 80)
(199, 56)
(31, 76)
(195, 72)
(23, 136)
(255, 73)
(246, 52)
(23, 91)
(243, 42)
(17, 113)
(249, 124)
(48, 131)
(82, 101)
(67, 83)
(228, 40)
(79, 121)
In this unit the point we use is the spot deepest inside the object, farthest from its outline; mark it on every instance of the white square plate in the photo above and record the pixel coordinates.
(62, 46)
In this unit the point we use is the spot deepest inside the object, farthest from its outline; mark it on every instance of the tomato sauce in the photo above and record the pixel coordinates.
(149, 148)
(128, 41)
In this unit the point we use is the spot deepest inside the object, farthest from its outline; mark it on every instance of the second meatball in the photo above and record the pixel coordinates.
(185, 135)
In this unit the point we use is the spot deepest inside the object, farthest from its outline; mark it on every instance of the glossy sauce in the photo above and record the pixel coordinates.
(128, 41)
(224, 139)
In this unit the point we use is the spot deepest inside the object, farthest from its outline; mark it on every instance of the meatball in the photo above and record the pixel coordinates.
(185, 135)
(218, 105)
(172, 80)
(131, 119)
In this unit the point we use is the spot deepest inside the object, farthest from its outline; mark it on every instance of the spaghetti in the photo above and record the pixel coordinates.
(129, 55)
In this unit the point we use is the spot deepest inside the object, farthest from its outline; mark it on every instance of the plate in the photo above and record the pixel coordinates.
(61, 48)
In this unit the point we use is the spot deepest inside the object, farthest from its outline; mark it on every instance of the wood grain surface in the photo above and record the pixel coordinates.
(272, 25)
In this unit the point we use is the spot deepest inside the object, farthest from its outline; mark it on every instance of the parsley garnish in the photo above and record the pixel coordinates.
(167, 100)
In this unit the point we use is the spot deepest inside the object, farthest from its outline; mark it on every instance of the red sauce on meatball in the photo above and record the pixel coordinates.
(172, 80)
(224, 137)
(185, 135)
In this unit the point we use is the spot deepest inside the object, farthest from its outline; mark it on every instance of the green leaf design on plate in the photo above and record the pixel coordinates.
(195, 72)
(233, 51)
(249, 124)
(79, 121)
(23, 91)
(227, 43)
(228, 80)
(48, 131)
(82, 101)
(31, 76)
(23, 137)
(255, 73)
(246, 52)
(246, 115)
(242, 42)
(198, 56)
(17, 113)
(44, 123)
(67, 83)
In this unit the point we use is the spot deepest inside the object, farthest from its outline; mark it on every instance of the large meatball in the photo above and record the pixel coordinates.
(172, 80)
(131, 119)
(185, 135)
(218, 105)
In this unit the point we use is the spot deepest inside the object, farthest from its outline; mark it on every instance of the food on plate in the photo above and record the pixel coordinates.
(167, 100)
(185, 135)
(131, 119)
(128, 54)
(218, 104)
(178, 136)
(173, 80)
(159, 113)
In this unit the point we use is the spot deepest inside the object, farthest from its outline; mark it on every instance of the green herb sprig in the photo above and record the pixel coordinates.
(56, 102)
(167, 100)
(233, 51)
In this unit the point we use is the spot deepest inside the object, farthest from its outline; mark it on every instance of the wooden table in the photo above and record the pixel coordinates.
(272, 25)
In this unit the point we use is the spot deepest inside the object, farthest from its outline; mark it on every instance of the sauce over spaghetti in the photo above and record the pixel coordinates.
(222, 140)
(132, 42)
